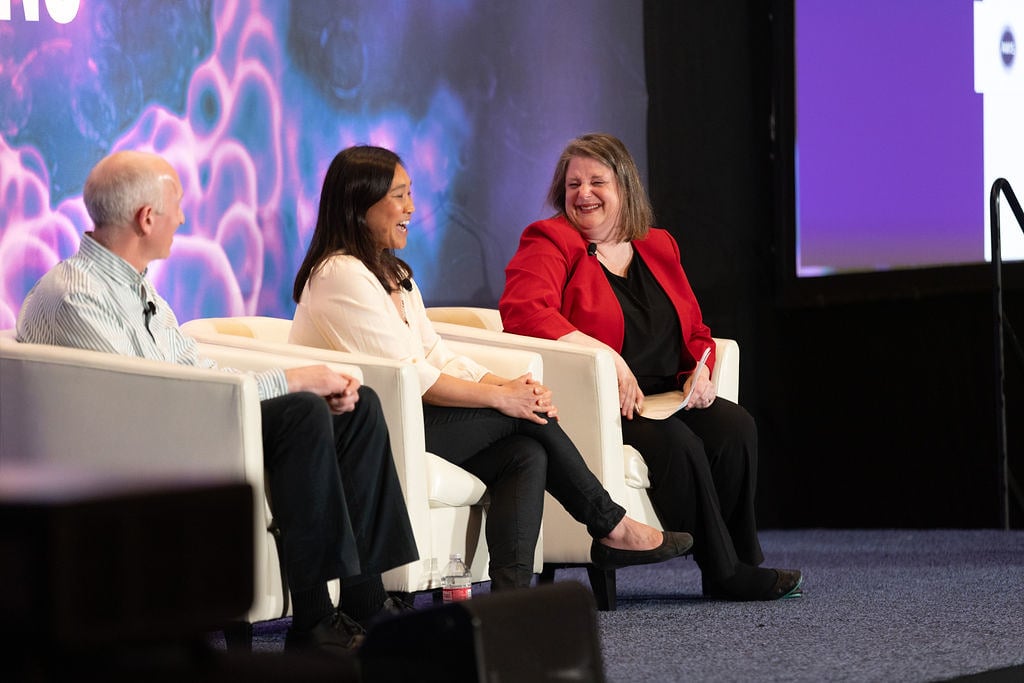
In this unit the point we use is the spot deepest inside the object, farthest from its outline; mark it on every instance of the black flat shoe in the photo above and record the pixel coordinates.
(788, 585)
(673, 544)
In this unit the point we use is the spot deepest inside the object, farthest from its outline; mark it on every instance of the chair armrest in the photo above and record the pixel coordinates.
(264, 328)
(726, 376)
(74, 408)
(256, 360)
(507, 362)
(470, 316)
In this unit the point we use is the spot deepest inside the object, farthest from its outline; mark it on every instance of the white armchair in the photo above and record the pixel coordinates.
(586, 392)
(195, 424)
(446, 503)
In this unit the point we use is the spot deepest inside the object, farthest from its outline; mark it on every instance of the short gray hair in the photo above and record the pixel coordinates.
(120, 185)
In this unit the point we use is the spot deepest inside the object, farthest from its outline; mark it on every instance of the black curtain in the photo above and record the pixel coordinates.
(874, 413)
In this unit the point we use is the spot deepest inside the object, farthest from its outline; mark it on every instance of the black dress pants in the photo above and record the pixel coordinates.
(518, 460)
(703, 469)
(333, 489)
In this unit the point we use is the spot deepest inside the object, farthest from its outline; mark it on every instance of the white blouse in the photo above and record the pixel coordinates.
(345, 307)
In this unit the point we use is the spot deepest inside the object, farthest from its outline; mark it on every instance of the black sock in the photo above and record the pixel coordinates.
(309, 607)
(362, 596)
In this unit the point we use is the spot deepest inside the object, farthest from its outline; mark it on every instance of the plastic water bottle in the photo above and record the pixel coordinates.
(456, 582)
(433, 573)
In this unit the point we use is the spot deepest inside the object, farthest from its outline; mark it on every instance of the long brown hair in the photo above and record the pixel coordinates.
(636, 215)
(357, 178)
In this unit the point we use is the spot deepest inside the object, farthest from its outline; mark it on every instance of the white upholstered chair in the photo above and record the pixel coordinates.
(446, 503)
(586, 392)
(157, 420)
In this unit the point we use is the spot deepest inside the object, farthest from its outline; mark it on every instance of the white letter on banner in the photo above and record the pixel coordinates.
(61, 11)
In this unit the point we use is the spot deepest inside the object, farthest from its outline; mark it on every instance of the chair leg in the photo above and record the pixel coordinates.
(547, 574)
(238, 636)
(602, 582)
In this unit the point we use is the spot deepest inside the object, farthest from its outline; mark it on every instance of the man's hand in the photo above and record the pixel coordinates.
(340, 391)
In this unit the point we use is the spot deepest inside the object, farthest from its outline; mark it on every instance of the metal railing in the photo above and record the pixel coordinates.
(1003, 330)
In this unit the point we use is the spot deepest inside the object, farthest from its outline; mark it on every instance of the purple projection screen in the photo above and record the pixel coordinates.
(906, 111)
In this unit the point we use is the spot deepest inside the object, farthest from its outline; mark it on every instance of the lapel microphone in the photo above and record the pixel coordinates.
(148, 311)
(592, 249)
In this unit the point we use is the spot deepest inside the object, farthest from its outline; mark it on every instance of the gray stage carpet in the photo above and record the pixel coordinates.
(878, 605)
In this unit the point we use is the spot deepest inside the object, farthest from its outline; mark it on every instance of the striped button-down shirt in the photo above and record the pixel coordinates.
(96, 300)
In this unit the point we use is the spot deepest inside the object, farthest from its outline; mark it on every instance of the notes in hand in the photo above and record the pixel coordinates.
(660, 406)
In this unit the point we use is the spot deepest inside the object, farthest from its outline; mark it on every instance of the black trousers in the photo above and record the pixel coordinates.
(703, 470)
(518, 460)
(333, 489)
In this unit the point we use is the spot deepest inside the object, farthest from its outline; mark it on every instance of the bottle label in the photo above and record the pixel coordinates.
(457, 594)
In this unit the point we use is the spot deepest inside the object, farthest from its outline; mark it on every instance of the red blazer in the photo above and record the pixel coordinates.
(553, 287)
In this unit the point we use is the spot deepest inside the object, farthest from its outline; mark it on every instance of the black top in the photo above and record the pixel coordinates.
(652, 339)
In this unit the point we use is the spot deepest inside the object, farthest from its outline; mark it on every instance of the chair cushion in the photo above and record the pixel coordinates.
(449, 485)
(636, 469)
(238, 329)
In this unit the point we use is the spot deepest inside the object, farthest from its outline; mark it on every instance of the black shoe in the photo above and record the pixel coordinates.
(788, 584)
(673, 544)
(336, 634)
(394, 605)
(404, 597)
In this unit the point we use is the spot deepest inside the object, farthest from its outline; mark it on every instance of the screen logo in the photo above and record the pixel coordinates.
(1007, 47)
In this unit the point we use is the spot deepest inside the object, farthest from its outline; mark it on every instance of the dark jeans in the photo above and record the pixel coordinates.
(703, 469)
(333, 489)
(518, 460)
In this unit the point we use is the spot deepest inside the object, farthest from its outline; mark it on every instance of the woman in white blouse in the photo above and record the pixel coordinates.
(354, 294)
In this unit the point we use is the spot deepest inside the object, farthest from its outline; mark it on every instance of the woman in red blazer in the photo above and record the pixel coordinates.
(597, 274)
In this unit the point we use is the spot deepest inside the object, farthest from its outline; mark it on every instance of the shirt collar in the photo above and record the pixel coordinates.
(112, 264)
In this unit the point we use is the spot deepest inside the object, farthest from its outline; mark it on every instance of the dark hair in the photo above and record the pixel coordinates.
(636, 215)
(357, 178)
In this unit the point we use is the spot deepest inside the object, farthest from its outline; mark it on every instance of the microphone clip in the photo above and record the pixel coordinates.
(148, 311)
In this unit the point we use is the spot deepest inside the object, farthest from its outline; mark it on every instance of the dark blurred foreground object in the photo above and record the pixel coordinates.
(100, 560)
(108, 578)
(547, 633)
